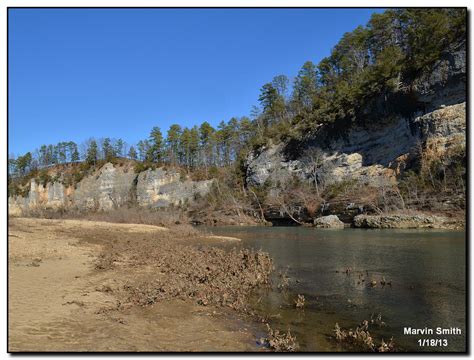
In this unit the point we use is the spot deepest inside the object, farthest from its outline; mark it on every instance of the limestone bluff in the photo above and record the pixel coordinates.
(381, 149)
(109, 187)
(375, 150)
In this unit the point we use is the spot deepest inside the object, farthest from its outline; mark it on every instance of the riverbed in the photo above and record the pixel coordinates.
(424, 272)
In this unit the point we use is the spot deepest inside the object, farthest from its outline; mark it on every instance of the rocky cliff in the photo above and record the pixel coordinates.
(110, 187)
(370, 154)
(430, 111)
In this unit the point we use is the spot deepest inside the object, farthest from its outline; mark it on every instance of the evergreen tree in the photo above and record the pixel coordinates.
(92, 153)
(280, 83)
(108, 150)
(173, 143)
(119, 148)
(185, 147)
(206, 137)
(155, 151)
(74, 152)
(304, 90)
(23, 163)
(132, 153)
(62, 152)
(44, 161)
(194, 145)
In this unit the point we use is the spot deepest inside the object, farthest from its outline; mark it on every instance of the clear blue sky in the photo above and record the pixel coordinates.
(76, 74)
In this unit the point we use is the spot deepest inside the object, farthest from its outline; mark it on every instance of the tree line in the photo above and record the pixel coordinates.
(373, 61)
(198, 147)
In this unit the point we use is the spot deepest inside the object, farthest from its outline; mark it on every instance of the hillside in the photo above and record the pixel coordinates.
(376, 128)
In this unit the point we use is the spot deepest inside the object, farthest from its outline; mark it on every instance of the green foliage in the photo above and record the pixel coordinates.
(75, 154)
(132, 153)
(23, 163)
(142, 166)
(155, 150)
(173, 140)
(374, 63)
(16, 189)
(305, 86)
(108, 150)
(43, 177)
(92, 153)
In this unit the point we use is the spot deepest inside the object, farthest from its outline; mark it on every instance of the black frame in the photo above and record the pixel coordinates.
(467, 211)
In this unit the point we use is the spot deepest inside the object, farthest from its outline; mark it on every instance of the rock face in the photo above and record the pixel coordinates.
(446, 83)
(432, 111)
(50, 195)
(328, 222)
(399, 221)
(158, 188)
(111, 187)
(370, 155)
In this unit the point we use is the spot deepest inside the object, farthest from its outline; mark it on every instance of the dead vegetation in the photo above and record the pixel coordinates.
(284, 282)
(64, 304)
(300, 302)
(360, 339)
(208, 276)
(122, 215)
(280, 342)
(170, 265)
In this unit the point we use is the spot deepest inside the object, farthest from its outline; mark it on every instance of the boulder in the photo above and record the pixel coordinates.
(328, 222)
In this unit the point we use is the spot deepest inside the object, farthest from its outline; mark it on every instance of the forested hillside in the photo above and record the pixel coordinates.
(403, 64)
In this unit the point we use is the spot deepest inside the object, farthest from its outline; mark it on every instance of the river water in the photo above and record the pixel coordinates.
(426, 268)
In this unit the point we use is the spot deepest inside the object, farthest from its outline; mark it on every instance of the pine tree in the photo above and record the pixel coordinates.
(206, 132)
(172, 143)
(108, 150)
(92, 153)
(62, 155)
(132, 154)
(155, 152)
(119, 148)
(23, 163)
(304, 90)
(184, 147)
(43, 155)
(194, 145)
(74, 152)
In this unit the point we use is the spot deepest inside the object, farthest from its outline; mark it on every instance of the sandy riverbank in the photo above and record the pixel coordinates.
(88, 286)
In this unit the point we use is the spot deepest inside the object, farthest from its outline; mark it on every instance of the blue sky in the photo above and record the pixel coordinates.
(76, 74)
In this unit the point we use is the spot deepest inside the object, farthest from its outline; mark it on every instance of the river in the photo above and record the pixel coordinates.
(426, 268)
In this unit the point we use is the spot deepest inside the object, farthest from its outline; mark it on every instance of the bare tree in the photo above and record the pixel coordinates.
(313, 161)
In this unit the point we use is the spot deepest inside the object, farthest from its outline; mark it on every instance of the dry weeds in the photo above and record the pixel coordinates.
(280, 342)
(169, 264)
(360, 339)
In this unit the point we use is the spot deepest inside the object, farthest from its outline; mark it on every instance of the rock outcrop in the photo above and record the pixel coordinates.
(445, 84)
(159, 188)
(111, 187)
(430, 110)
(372, 155)
(400, 221)
(328, 222)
